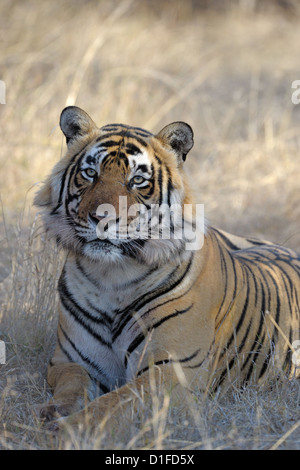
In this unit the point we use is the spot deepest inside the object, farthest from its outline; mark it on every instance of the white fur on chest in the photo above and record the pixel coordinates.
(103, 325)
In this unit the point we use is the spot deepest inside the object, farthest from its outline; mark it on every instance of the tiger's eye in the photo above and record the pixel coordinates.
(138, 179)
(90, 172)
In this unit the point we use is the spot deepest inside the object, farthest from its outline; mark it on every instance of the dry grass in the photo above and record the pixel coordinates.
(227, 74)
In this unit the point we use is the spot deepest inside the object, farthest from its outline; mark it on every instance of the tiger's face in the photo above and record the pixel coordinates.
(109, 198)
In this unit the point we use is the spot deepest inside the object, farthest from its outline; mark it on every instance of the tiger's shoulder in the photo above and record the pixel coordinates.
(243, 246)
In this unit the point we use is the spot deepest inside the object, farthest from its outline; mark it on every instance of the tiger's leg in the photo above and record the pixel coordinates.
(150, 387)
(70, 383)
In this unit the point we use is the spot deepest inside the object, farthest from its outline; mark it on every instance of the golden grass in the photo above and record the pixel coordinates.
(229, 76)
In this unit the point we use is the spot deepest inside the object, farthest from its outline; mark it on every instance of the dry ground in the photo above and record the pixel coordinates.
(228, 74)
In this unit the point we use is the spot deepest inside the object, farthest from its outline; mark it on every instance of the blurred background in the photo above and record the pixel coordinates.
(226, 68)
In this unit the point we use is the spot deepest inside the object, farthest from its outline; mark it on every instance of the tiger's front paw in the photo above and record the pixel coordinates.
(53, 410)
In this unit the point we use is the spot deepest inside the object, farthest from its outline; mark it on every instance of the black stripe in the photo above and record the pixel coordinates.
(160, 305)
(126, 314)
(64, 350)
(170, 186)
(102, 319)
(132, 149)
(139, 303)
(100, 385)
(288, 295)
(233, 294)
(253, 277)
(113, 127)
(133, 345)
(125, 133)
(109, 143)
(253, 241)
(157, 363)
(262, 273)
(228, 242)
(225, 273)
(170, 361)
(140, 130)
(275, 331)
(165, 302)
(122, 157)
(110, 135)
(151, 184)
(139, 339)
(76, 311)
(159, 179)
(240, 321)
(62, 184)
(171, 315)
(85, 359)
(287, 363)
(69, 197)
(188, 358)
(144, 168)
(254, 355)
(258, 332)
(233, 360)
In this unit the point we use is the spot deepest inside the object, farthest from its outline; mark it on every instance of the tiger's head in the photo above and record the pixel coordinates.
(104, 198)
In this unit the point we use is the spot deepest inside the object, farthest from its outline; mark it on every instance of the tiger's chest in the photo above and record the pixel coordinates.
(99, 324)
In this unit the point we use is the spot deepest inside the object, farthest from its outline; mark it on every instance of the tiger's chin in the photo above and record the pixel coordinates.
(146, 252)
(103, 251)
(150, 252)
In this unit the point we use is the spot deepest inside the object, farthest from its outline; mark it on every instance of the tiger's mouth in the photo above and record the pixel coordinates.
(110, 230)
(107, 246)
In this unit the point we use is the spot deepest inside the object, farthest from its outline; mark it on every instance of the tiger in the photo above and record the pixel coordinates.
(199, 316)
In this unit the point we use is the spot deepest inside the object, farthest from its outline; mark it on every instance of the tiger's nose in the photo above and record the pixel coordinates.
(96, 218)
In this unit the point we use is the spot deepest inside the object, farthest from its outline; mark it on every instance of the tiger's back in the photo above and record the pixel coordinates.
(262, 318)
(129, 302)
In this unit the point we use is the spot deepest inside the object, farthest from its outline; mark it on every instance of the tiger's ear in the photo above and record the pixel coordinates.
(74, 122)
(179, 136)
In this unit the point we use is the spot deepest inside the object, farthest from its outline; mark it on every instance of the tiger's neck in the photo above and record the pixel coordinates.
(114, 287)
(118, 285)
(110, 275)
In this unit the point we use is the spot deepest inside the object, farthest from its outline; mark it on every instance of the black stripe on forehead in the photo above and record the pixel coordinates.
(112, 158)
(122, 157)
(142, 132)
(144, 168)
(127, 133)
(109, 143)
(92, 159)
(113, 127)
(132, 149)
(132, 129)
(108, 159)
